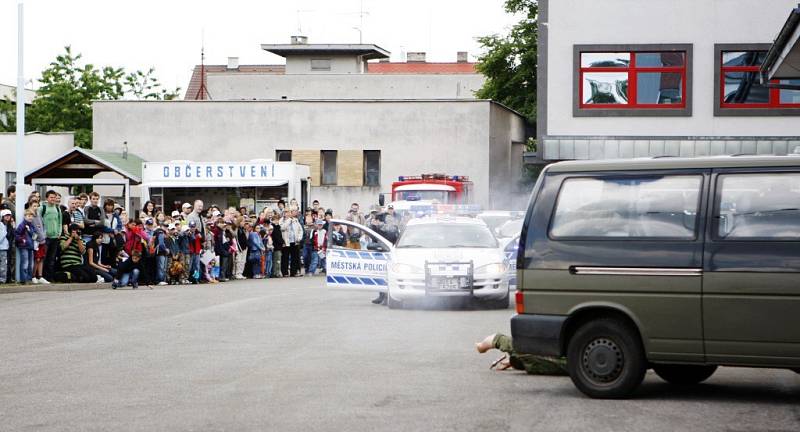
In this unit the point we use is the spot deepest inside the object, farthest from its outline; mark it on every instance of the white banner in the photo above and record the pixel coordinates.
(217, 173)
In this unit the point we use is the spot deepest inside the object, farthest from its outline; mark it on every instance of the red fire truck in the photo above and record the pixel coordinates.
(442, 188)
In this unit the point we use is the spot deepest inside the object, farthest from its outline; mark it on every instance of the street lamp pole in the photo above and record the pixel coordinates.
(20, 204)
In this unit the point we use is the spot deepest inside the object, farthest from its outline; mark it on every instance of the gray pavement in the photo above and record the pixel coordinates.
(288, 355)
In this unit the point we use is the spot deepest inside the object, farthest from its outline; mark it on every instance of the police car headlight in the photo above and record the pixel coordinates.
(406, 269)
(492, 268)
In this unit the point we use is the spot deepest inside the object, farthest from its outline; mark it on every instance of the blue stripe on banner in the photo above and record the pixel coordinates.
(353, 280)
(340, 279)
(366, 255)
(379, 256)
(352, 254)
(367, 281)
(380, 281)
(330, 279)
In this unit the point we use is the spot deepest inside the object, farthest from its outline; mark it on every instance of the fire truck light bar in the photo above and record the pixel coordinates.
(434, 177)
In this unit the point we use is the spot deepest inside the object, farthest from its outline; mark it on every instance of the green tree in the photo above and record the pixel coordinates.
(509, 61)
(509, 65)
(67, 89)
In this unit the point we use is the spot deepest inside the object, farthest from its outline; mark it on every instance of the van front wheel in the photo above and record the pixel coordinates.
(605, 359)
(684, 374)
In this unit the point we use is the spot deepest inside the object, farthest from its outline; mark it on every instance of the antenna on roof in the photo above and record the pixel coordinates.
(202, 92)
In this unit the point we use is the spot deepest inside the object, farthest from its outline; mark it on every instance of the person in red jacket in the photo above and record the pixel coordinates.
(135, 237)
(319, 244)
(195, 250)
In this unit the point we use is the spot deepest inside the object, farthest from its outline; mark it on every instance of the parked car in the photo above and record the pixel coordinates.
(437, 258)
(679, 265)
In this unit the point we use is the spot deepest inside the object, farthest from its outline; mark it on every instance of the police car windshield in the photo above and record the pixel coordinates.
(447, 236)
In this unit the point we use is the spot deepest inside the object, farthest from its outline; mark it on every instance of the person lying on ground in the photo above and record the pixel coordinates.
(532, 364)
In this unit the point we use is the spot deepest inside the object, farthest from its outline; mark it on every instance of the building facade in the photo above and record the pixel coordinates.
(622, 79)
(40, 148)
(357, 121)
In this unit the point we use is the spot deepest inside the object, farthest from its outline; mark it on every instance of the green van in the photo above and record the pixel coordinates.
(679, 265)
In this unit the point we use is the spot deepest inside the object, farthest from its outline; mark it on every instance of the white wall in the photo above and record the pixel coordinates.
(414, 137)
(40, 148)
(247, 86)
(699, 22)
(340, 64)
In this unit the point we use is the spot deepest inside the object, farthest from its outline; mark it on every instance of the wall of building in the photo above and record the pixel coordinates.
(701, 23)
(340, 64)
(40, 148)
(414, 137)
(358, 86)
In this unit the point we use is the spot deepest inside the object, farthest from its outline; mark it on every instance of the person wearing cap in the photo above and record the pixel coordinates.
(186, 210)
(195, 250)
(23, 237)
(6, 238)
(391, 227)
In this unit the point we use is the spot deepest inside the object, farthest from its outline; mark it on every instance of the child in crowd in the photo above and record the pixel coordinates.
(269, 250)
(255, 249)
(195, 249)
(129, 271)
(319, 243)
(6, 237)
(24, 241)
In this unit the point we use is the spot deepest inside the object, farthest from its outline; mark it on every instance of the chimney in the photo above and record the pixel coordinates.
(462, 57)
(233, 63)
(415, 57)
(299, 40)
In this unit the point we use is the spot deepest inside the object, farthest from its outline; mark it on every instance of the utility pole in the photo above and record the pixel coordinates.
(20, 204)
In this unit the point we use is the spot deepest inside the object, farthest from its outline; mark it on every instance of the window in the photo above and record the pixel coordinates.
(372, 167)
(628, 207)
(759, 206)
(11, 178)
(328, 167)
(283, 155)
(739, 89)
(320, 64)
(632, 79)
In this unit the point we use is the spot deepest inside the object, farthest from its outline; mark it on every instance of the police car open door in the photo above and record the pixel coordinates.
(357, 258)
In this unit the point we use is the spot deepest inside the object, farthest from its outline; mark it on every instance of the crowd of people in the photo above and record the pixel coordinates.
(88, 240)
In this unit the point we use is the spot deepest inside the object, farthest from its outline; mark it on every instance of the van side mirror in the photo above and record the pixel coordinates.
(381, 200)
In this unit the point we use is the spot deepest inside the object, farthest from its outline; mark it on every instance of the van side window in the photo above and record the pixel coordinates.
(628, 207)
(765, 206)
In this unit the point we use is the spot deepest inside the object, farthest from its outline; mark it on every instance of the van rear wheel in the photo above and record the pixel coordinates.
(605, 359)
(684, 374)
(393, 304)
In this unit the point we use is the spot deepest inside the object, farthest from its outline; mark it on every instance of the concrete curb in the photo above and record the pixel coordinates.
(52, 287)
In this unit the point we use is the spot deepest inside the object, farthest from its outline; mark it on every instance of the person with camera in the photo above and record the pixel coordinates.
(72, 250)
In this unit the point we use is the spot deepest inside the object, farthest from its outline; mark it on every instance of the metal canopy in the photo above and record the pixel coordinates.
(783, 58)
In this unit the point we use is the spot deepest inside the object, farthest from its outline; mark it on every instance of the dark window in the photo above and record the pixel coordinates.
(283, 155)
(328, 167)
(320, 64)
(632, 80)
(741, 87)
(629, 207)
(760, 206)
(372, 167)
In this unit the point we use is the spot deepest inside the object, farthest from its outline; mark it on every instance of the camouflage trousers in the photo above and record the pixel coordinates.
(532, 364)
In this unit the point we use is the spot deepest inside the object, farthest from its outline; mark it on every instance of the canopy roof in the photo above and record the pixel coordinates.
(82, 163)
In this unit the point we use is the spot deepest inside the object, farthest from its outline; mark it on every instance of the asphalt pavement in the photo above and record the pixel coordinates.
(290, 355)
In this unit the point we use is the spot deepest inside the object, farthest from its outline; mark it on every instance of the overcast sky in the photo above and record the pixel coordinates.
(137, 34)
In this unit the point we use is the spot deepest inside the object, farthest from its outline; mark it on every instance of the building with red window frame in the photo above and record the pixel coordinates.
(669, 78)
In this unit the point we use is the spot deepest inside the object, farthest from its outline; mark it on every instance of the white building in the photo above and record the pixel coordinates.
(626, 78)
(357, 125)
(40, 147)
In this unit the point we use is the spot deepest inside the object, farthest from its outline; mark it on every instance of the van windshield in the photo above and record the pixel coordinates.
(433, 236)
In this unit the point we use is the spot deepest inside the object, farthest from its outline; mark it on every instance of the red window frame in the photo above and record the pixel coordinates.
(774, 93)
(632, 70)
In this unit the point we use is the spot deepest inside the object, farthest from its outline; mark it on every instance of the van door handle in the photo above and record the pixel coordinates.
(636, 271)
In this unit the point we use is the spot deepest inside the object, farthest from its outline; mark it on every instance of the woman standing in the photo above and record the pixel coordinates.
(148, 211)
(39, 244)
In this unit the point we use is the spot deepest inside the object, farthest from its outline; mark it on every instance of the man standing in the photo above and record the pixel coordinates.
(11, 198)
(354, 237)
(92, 217)
(293, 232)
(187, 210)
(196, 216)
(53, 227)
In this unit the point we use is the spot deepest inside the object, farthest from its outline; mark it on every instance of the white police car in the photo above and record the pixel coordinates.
(436, 258)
